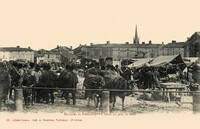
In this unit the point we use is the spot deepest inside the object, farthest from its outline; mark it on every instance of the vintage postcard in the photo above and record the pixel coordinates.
(99, 64)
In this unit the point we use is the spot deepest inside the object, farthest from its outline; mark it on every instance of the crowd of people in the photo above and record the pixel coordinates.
(18, 75)
(44, 76)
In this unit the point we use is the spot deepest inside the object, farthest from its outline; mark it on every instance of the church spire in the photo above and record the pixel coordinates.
(136, 38)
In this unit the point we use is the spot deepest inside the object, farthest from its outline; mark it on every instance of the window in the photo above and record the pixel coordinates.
(108, 53)
(100, 53)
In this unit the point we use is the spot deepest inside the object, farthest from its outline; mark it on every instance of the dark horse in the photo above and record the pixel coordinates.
(118, 83)
(5, 81)
(68, 79)
(94, 82)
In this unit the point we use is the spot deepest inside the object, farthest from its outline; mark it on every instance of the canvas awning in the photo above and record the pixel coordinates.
(163, 60)
(140, 63)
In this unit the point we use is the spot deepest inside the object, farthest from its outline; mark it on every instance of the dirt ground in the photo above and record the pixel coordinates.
(132, 105)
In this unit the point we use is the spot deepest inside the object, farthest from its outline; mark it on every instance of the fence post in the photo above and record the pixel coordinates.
(19, 99)
(196, 102)
(105, 102)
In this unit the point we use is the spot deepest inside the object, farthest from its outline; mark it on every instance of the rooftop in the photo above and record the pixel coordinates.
(175, 45)
(194, 38)
(126, 45)
(15, 49)
(62, 48)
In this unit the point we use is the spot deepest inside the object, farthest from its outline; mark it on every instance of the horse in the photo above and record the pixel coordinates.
(68, 79)
(116, 82)
(94, 82)
(48, 79)
(5, 82)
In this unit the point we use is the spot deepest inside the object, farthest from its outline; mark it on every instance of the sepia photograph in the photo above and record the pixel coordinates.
(99, 64)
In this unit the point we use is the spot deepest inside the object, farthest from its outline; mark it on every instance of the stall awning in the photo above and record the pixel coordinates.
(163, 60)
(140, 63)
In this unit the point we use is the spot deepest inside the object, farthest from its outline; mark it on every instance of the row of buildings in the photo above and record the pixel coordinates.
(118, 51)
(57, 55)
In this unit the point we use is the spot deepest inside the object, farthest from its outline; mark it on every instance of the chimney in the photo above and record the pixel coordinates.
(29, 47)
(162, 43)
(173, 41)
(108, 42)
(71, 47)
(150, 42)
(126, 42)
(91, 44)
(18, 46)
(143, 42)
(80, 44)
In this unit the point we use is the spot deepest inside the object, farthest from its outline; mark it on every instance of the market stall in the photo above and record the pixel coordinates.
(172, 86)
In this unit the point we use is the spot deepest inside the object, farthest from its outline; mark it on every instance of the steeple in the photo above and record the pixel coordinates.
(136, 38)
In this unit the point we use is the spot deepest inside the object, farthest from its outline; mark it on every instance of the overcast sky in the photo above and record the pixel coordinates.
(48, 23)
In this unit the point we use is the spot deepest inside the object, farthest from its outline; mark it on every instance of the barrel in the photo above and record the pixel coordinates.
(19, 99)
(105, 102)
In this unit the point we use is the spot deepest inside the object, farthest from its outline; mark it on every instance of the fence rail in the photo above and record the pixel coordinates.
(117, 90)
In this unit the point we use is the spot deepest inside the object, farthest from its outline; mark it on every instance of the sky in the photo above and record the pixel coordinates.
(48, 23)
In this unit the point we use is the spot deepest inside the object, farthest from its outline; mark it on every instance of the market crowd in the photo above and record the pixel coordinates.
(20, 75)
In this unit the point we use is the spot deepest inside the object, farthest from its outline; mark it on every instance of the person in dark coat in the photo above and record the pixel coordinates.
(156, 78)
(127, 74)
(118, 70)
(150, 79)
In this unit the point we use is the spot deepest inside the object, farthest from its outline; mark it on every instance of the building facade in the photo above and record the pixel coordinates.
(60, 54)
(120, 51)
(16, 53)
(173, 48)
